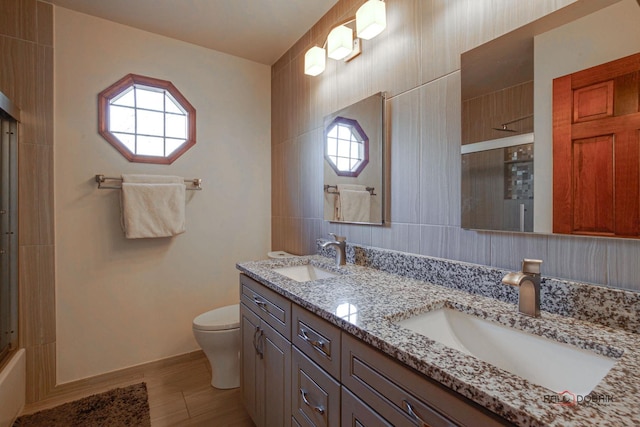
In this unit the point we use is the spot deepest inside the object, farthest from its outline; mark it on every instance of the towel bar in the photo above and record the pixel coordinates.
(335, 188)
(195, 183)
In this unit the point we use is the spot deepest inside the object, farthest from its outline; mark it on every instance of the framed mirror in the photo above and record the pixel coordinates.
(507, 138)
(354, 141)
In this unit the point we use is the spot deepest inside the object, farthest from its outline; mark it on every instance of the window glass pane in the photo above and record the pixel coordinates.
(343, 164)
(176, 126)
(355, 150)
(332, 145)
(171, 106)
(122, 119)
(173, 144)
(128, 140)
(333, 132)
(354, 164)
(150, 146)
(149, 99)
(343, 149)
(344, 132)
(126, 98)
(150, 123)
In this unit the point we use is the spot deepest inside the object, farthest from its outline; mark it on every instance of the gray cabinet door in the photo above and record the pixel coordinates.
(276, 374)
(355, 413)
(249, 328)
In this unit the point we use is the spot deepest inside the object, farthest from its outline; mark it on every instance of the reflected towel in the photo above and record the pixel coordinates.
(355, 203)
(153, 206)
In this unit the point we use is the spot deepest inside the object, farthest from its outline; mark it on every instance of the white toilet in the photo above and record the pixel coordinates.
(218, 334)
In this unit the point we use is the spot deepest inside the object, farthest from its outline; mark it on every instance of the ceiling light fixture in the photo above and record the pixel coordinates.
(370, 21)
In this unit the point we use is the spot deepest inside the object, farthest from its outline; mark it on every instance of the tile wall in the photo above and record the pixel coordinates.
(417, 62)
(26, 77)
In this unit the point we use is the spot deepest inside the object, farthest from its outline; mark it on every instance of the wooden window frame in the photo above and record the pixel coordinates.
(355, 127)
(125, 83)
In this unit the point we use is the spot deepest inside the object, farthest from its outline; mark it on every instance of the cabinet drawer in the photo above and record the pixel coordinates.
(355, 413)
(403, 396)
(318, 339)
(315, 396)
(271, 307)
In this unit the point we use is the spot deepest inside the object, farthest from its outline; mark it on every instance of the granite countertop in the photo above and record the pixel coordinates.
(370, 301)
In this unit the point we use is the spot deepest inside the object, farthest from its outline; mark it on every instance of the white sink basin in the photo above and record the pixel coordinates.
(556, 366)
(305, 273)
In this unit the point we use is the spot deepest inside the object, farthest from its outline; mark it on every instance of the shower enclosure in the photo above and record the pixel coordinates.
(9, 116)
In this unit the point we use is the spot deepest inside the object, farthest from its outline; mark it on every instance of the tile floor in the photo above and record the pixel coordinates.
(179, 395)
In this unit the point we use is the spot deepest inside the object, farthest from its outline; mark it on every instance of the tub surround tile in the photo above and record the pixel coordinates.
(422, 283)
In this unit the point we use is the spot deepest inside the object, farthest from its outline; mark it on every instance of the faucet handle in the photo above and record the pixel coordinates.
(531, 266)
(338, 238)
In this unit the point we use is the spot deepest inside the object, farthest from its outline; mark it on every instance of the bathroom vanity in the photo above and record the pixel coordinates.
(333, 351)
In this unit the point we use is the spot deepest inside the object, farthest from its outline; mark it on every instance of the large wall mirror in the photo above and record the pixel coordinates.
(354, 140)
(507, 138)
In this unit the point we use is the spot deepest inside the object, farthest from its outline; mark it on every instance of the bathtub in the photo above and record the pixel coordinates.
(13, 379)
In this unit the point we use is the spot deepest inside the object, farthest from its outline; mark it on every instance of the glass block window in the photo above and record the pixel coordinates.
(147, 120)
(346, 147)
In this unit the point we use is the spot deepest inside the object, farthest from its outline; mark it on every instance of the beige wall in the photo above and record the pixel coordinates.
(416, 61)
(125, 302)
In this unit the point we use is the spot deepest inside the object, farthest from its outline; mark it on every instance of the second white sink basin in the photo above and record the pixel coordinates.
(551, 364)
(304, 273)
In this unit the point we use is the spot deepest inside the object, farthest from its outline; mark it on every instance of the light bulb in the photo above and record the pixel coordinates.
(340, 42)
(371, 19)
(314, 61)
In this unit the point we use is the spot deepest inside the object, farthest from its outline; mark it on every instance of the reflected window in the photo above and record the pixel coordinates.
(346, 147)
(147, 120)
(348, 312)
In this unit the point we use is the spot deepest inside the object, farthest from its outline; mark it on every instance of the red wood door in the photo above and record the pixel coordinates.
(596, 150)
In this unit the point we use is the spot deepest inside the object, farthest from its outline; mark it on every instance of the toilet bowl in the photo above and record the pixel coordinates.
(218, 334)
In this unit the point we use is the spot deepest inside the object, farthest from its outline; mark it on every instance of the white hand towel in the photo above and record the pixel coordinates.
(153, 206)
(355, 203)
(152, 179)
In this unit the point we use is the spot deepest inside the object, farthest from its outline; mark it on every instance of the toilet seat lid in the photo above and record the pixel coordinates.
(220, 319)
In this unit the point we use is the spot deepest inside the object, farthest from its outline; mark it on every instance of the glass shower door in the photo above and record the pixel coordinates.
(8, 234)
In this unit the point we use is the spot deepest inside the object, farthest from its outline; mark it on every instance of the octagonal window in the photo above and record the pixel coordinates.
(346, 147)
(147, 120)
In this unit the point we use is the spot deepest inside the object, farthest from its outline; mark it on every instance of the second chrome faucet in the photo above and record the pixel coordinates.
(528, 283)
(340, 243)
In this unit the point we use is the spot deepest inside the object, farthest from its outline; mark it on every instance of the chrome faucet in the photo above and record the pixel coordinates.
(340, 242)
(528, 283)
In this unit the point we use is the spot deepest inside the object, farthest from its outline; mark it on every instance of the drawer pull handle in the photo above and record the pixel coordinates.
(260, 303)
(317, 344)
(318, 409)
(412, 414)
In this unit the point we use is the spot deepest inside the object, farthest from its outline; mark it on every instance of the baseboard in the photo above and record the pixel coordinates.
(122, 375)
